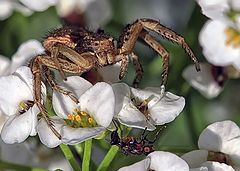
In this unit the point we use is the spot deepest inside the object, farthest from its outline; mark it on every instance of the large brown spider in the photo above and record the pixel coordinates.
(76, 50)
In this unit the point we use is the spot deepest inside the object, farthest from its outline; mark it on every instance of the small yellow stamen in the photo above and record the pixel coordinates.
(70, 117)
(232, 37)
(78, 118)
(83, 113)
(90, 120)
(22, 105)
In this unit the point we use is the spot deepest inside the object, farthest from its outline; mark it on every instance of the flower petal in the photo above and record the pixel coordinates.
(203, 81)
(39, 5)
(99, 101)
(6, 9)
(167, 109)
(122, 96)
(62, 104)
(73, 136)
(17, 128)
(215, 166)
(4, 63)
(214, 137)
(132, 117)
(165, 161)
(143, 165)
(46, 135)
(25, 52)
(110, 74)
(215, 9)
(195, 158)
(219, 54)
(13, 90)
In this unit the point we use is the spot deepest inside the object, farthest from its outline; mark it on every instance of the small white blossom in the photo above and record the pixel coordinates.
(16, 91)
(24, 54)
(221, 10)
(24, 6)
(159, 161)
(219, 142)
(145, 108)
(220, 43)
(203, 81)
(79, 122)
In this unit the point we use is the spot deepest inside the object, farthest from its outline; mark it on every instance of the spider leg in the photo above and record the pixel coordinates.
(54, 55)
(138, 69)
(170, 35)
(76, 58)
(123, 67)
(161, 50)
(131, 33)
(48, 75)
(36, 71)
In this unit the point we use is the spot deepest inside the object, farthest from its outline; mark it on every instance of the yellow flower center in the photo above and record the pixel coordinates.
(232, 37)
(80, 119)
(24, 106)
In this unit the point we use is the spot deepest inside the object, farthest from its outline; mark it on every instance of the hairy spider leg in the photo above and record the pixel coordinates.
(133, 31)
(49, 77)
(161, 50)
(138, 69)
(36, 71)
(48, 62)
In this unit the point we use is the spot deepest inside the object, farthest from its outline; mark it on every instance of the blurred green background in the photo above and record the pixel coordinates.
(182, 16)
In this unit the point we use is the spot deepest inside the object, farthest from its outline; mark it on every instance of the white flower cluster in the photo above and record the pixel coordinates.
(220, 41)
(98, 105)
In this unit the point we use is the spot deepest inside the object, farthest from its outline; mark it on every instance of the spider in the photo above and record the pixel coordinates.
(134, 145)
(76, 50)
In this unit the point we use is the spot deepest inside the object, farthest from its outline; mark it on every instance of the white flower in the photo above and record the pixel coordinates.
(79, 122)
(110, 73)
(145, 108)
(24, 54)
(16, 102)
(204, 81)
(224, 10)
(159, 161)
(221, 44)
(24, 6)
(219, 142)
(213, 166)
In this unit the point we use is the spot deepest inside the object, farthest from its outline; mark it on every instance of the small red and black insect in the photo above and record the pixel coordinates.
(134, 145)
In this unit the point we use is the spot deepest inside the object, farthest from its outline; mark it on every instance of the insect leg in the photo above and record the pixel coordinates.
(170, 35)
(161, 50)
(36, 71)
(54, 86)
(138, 69)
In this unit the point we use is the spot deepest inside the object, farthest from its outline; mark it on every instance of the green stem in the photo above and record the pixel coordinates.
(11, 166)
(69, 156)
(79, 148)
(108, 158)
(87, 155)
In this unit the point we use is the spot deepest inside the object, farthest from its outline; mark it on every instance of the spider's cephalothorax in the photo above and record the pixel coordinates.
(134, 145)
(76, 50)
